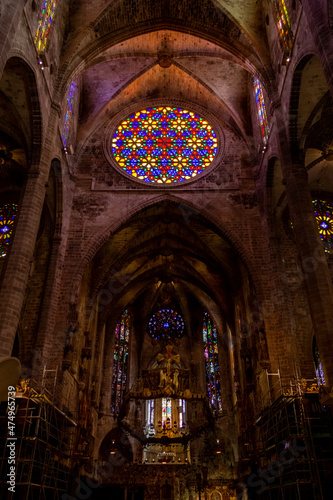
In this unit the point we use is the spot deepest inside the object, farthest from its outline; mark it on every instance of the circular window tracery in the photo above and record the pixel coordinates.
(324, 217)
(166, 323)
(7, 217)
(164, 145)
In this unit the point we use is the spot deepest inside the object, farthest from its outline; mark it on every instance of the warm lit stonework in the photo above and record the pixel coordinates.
(166, 249)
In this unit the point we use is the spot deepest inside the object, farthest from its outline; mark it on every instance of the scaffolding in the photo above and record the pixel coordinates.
(294, 431)
(45, 438)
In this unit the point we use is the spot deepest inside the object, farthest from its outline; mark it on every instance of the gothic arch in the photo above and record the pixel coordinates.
(32, 117)
(189, 209)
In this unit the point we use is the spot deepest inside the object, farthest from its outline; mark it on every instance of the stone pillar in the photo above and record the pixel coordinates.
(315, 270)
(106, 389)
(45, 341)
(15, 273)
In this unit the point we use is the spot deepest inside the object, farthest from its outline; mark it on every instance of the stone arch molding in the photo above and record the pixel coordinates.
(35, 109)
(114, 25)
(189, 209)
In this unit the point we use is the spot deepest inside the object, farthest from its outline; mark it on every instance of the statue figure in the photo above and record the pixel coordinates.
(263, 350)
(168, 358)
(163, 377)
(175, 379)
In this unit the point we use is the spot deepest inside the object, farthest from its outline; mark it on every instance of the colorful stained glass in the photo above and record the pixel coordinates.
(44, 24)
(211, 353)
(120, 358)
(319, 366)
(69, 113)
(166, 323)
(182, 411)
(7, 217)
(261, 110)
(324, 217)
(232, 363)
(283, 24)
(166, 411)
(164, 145)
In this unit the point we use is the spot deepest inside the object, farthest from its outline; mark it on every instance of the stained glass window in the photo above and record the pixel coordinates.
(44, 24)
(150, 414)
(166, 411)
(182, 410)
(7, 217)
(261, 110)
(232, 364)
(211, 353)
(120, 357)
(319, 366)
(164, 145)
(69, 113)
(324, 217)
(283, 24)
(166, 323)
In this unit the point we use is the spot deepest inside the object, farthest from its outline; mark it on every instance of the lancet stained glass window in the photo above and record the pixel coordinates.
(324, 217)
(166, 323)
(166, 411)
(232, 363)
(182, 410)
(8, 213)
(120, 358)
(69, 113)
(211, 353)
(164, 145)
(319, 366)
(283, 24)
(44, 24)
(261, 108)
(151, 414)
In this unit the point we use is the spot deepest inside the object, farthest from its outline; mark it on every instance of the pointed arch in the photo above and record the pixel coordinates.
(211, 353)
(120, 362)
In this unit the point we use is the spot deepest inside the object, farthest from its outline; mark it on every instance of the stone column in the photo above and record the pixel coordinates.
(44, 339)
(15, 273)
(315, 270)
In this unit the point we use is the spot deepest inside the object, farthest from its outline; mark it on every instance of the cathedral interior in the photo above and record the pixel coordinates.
(166, 249)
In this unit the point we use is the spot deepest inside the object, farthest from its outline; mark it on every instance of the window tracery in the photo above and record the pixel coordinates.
(120, 362)
(151, 415)
(261, 109)
(164, 145)
(44, 24)
(232, 364)
(319, 366)
(166, 411)
(324, 218)
(283, 24)
(69, 114)
(165, 324)
(8, 213)
(211, 353)
(182, 411)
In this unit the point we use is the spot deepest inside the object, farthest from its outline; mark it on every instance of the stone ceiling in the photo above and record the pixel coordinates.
(126, 50)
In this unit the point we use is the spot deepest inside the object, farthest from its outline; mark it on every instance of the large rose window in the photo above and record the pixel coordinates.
(164, 145)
